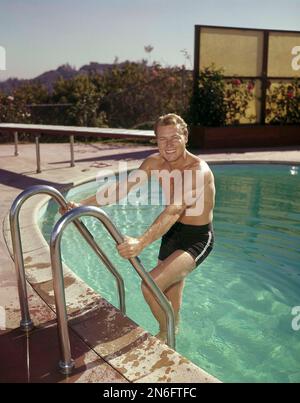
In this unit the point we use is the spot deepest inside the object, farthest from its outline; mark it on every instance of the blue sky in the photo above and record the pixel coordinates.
(40, 35)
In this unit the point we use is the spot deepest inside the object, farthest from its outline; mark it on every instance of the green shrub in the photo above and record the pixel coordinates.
(207, 107)
(219, 102)
(283, 103)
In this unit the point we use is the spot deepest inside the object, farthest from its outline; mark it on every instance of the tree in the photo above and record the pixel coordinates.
(148, 49)
(136, 94)
(84, 93)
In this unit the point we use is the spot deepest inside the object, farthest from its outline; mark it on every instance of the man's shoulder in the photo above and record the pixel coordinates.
(208, 175)
(153, 160)
(205, 166)
(198, 164)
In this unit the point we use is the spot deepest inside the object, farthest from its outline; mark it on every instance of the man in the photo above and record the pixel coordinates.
(185, 224)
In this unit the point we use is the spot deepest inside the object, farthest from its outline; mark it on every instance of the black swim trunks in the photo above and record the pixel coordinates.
(198, 240)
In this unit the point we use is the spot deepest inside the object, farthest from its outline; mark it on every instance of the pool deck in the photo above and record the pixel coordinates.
(107, 346)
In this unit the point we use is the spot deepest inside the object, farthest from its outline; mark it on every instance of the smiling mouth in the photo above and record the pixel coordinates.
(170, 151)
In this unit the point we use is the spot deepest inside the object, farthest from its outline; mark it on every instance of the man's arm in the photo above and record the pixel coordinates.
(116, 191)
(133, 246)
(196, 189)
(162, 224)
(193, 189)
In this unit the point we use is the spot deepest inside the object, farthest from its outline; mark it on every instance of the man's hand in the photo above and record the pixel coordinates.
(131, 247)
(70, 206)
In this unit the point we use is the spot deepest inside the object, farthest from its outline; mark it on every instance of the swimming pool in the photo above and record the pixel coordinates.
(236, 320)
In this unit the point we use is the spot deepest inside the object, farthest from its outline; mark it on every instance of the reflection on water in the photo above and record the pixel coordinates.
(294, 170)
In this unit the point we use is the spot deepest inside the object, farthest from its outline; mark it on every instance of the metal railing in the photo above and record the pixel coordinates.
(66, 364)
(26, 323)
(71, 131)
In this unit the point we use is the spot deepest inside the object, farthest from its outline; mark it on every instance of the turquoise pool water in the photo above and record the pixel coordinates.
(236, 320)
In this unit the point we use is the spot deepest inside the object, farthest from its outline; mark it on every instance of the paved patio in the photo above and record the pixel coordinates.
(18, 173)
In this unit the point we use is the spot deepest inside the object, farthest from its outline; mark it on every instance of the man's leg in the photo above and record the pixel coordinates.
(171, 271)
(174, 295)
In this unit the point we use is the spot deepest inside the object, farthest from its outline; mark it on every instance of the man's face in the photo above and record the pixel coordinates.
(171, 142)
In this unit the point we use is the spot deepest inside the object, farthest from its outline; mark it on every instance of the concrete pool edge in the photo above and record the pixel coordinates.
(134, 354)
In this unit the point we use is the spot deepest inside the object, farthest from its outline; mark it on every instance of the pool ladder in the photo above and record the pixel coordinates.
(66, 363)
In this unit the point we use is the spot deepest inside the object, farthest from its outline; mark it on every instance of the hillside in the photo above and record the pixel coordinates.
(48, 78)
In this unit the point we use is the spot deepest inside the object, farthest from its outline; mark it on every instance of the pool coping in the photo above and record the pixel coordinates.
(134, 354)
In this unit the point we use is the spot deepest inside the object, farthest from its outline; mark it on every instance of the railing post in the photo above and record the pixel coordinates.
(16, 143)
(26, 323)
(38, 155)
(66, 364)
(72, 150)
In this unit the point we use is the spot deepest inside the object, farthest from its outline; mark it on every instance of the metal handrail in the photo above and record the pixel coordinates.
(71, 131)
(66, 364)
(26, 323)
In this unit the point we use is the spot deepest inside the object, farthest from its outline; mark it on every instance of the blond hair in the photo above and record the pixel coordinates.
(171, 119)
